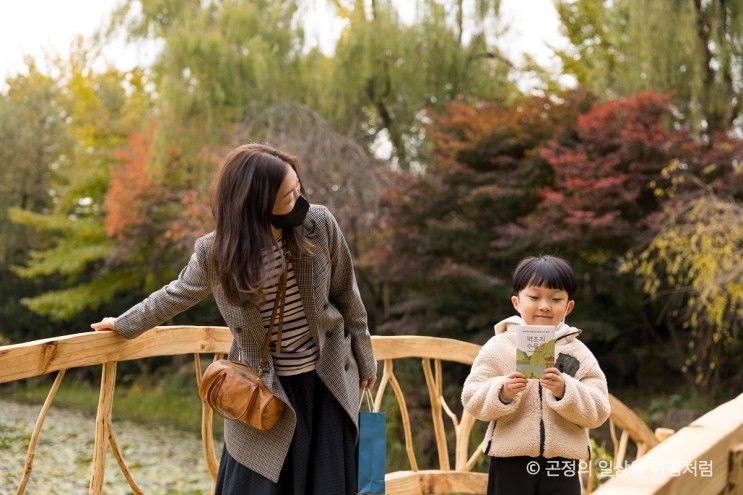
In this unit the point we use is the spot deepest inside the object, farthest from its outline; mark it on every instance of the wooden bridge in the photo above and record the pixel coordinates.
(704, 458)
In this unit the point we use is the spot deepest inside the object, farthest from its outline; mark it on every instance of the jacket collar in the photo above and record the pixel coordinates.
(563, 332)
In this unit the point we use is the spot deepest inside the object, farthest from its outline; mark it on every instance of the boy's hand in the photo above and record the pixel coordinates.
(515, 384)
(553, 381)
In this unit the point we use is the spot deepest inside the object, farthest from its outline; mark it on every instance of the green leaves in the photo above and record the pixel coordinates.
(73, 246)
(66, 258)
(387, 72)
(58, 156)
(63, 304)
(688, 48)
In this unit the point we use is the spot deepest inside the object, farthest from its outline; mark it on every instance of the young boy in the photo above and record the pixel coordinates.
(539, 428)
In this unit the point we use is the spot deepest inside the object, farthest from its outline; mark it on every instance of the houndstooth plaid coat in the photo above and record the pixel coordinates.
(336, 318)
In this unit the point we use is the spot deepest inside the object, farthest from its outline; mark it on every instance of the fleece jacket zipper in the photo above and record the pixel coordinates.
(541, 422)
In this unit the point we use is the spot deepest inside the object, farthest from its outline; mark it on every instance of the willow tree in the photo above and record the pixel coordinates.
(223, 62)
(690, 48)
(386, 72)
(220, 63)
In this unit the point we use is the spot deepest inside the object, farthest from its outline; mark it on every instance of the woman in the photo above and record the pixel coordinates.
(320, 359)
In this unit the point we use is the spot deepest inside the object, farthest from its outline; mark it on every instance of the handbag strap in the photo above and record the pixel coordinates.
(278, 306)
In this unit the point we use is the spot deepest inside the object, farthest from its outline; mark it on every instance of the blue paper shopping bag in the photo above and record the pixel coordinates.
(371, 450)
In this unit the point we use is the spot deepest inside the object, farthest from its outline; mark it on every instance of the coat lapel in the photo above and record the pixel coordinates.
(302, 266)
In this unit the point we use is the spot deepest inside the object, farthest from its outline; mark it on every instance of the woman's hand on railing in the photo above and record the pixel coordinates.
(106, 323)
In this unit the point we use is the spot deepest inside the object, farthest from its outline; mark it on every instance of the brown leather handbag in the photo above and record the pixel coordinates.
(235, 391)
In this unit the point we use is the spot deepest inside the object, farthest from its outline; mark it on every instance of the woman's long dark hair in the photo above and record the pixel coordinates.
(249, 180)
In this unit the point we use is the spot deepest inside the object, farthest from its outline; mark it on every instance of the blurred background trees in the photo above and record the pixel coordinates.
(689, 48)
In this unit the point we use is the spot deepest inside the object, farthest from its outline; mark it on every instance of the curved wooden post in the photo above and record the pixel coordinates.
(621, 453)
(435, 395)
(475, 457)
(207, 415)
(380, 389)
(388, 376)
(120, 460)
(37, 430)
(463, 436)
(102, 421)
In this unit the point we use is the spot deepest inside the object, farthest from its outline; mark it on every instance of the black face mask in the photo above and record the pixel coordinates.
(294, 218)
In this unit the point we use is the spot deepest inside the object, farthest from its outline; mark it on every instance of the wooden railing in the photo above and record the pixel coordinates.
(21, 361)
(704, 458)
(625, 426)
(59, 354)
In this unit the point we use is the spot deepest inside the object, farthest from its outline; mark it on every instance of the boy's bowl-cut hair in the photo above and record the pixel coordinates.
(548, 271)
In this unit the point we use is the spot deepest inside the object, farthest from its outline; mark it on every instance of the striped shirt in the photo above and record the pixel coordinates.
(299, 353)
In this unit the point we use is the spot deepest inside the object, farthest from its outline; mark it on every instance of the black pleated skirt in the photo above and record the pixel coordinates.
(321, 458)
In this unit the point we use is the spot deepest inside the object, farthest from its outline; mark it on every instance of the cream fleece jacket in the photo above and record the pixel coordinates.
(535, 422)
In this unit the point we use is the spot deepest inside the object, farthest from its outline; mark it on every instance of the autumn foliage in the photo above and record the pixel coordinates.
(131, 190)
(567, 175)
(601, 189)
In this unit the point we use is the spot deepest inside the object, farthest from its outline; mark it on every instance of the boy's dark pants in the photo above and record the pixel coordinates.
(533, 476)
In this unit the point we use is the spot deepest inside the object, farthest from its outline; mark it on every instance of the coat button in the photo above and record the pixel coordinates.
(325, 306)
(239, 329)
(347, 365)
(329, 333)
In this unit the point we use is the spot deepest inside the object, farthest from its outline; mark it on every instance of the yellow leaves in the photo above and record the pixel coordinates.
(672, 166)
(673, 177)
(343, 11)
(698, 255)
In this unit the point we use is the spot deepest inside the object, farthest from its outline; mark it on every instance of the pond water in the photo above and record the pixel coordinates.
(162, 459)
